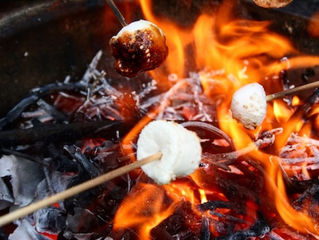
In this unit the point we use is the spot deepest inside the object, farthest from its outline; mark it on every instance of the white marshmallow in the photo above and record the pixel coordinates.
(139, 25)
(249, 105)
(180, 147)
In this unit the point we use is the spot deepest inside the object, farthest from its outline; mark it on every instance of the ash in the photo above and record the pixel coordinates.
(48, 155)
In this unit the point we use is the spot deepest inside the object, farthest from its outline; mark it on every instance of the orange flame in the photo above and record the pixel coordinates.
(295, 101)
(231, 53)
(203, 197)
(296, 219)
(149, 212)
(281, 111)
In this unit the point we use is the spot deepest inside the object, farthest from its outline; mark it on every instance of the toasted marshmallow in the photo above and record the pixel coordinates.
(180, 148)
(272, 3)
(139, 46)
(249, 105)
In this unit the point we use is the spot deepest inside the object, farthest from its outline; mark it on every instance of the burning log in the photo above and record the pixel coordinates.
(60, 133)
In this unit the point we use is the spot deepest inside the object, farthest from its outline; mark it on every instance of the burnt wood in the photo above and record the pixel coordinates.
(60, 133)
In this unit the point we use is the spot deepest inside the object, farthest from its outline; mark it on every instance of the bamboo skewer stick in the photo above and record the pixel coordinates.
(117, 12)
(8, 218)
(282, 94)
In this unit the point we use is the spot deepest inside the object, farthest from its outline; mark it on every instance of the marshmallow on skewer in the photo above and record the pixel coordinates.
(249, 105)
(139, 46)
(180, 148)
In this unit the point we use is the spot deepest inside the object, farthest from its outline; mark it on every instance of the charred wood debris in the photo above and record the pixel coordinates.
(45, 150)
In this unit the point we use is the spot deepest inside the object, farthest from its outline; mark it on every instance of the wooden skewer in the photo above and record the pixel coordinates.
(117, 12)
(282, 94)
(8, 218)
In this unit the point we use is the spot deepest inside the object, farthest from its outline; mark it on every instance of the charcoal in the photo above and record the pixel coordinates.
(18, 154)
(82, 221)
(6, 198)
(26, 231)
(205, 231)
(309, 201)
(59, 160)
(49, 220)
(87, 165)
(212, 205)
(59, 117)
(313, 99)
(90, 71)
(61, 133)
(309, 73)
(59, 181)
(34, 96)
(3, 235)
(259, 229)
(79, 236)
(25, 177)
(161, 233)
(227, 217)
(185, 235)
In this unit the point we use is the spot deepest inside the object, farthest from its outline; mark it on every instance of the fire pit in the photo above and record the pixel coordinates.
(251, 184)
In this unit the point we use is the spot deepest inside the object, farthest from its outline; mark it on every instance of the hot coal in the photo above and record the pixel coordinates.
(212, 205)
(88, 166)
(205, 231)
(50, 220)
(259, 229)
(26, 231)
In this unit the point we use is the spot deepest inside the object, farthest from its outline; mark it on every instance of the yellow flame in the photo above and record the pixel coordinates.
(233, 52)
(203, 197)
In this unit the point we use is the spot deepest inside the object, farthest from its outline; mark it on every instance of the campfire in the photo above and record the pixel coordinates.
(259, 183)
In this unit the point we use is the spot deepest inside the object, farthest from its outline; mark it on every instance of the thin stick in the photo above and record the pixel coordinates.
(117, 12)
(292, 91)
(76, 190)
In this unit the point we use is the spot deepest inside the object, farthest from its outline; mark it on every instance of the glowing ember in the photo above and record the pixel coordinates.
(150, 212)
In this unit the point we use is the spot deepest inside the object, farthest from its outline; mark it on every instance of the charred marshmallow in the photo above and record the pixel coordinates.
(139, 46)
(180, 148)
(249, 105)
